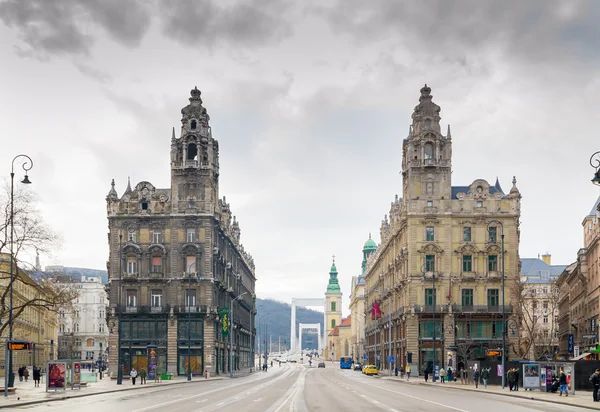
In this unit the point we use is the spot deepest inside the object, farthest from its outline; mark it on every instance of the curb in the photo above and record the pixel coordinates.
(83, 395)
(503, 394)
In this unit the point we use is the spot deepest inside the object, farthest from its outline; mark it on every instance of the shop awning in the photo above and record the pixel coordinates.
(583, 355)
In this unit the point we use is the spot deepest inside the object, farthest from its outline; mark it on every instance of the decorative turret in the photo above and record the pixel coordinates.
(514, 192)
(112, 194)
(426, 115)
(369, 247)
(333, 286)
(128, 191)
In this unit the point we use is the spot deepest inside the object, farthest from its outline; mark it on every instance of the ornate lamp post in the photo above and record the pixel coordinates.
(119, 308)
(496, 223)
(231, 333)
(595, 163)
(27, 166)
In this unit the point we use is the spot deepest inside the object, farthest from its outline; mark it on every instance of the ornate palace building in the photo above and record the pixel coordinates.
(176, 265)
(440, 258)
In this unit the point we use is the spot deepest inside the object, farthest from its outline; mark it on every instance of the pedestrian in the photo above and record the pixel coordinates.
(20, 371)
(426, 373)
(562, 382)
(36, 376)
(26, 373)
(442, 375)
(449, 373)
(485, 375)
(595, 381)
(516, 379)
(396, 371)
(407, 372)
(143, 375)
(476, 377)
(271, 363)
(133, 375)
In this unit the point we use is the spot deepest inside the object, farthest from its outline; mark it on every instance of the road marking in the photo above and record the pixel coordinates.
(393, 410)
(203, 400)
(375, 401)
(237, 397)
(256, 400)
(219, 404)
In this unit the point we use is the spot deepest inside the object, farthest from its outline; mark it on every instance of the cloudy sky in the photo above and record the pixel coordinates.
(310, 101)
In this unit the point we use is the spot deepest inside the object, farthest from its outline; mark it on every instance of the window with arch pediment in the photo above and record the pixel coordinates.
(428, 151)
(192, 151)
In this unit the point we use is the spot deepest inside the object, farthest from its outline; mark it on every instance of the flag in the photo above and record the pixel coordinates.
(375, 311)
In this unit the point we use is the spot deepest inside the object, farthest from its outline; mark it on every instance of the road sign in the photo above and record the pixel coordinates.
(390, 359)
(576, 351)
(571, 343)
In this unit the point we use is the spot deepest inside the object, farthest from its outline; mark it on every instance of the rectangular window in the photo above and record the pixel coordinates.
(101, 328)
(546, 319)
(467, 297)
(545, 334)
(156, 264)
(429, 234)
(190, 297)
(493, 297)
(191, 235)
(467, 233)
(479, 203)
(132, 298)
(467, 263)
(332, 323)
(429, 203)
(156, 236)
(156, 298)
(190, 264)
(333, 306)
(131, 265)
(430, 297)
(492, 233)
(493, 263)
(430, 263)
(545, 305)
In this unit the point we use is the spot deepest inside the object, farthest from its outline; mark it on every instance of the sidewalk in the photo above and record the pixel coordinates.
(582, 399)
(27, 394)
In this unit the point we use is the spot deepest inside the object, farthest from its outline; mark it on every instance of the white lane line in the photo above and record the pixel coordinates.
(237, 397)
(203, 400)
(393, 410)
(219, 404)
(256, 400)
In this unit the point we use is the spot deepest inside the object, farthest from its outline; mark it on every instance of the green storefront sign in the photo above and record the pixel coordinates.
(225, 321)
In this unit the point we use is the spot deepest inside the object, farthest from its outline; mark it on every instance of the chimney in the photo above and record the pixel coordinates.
(547, 258)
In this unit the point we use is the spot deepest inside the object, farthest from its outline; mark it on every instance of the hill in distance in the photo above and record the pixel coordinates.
(279, 320)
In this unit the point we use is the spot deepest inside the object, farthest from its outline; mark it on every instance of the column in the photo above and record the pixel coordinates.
(172, 345)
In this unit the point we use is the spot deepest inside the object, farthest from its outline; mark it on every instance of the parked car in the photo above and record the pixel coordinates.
(358, 367)
(321, 365)
(370, 370)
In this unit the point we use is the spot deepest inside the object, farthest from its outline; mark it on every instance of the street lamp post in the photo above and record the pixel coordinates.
(231, 333)
(595, 163)
(119, 308)
(424, 269)
(259, 336)
(27, 165)
(499, 223)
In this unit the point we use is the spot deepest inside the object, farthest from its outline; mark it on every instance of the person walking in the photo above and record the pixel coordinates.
(485, 375)
(516, 379)
(20, 371)
(562, 382)
(36, 377)
(476, 377)
(511, 378)
(426, 374)
(442, 375)
(449, 373)
(407, 370)
(595, 381)
(143, 376)
(133, 375)
(25, 373)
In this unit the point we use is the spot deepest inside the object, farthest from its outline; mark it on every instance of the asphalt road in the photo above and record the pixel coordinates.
(296, 387)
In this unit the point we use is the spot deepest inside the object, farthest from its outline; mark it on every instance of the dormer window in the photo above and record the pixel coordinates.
(193, 125)
(428, 152)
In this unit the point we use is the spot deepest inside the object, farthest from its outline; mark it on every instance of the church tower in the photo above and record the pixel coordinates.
(426, 154)
(194, 162)
(333, 308)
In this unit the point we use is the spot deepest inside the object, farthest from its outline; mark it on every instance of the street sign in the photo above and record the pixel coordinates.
(390, 359)
(18, 345)
(576, 351)
(571, 343)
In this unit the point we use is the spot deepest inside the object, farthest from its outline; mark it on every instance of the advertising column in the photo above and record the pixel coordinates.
(57, 375)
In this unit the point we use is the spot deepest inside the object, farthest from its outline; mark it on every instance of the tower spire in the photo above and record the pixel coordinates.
(173, 136)
(448, 135)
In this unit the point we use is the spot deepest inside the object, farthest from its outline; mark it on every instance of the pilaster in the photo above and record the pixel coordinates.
(172, 346)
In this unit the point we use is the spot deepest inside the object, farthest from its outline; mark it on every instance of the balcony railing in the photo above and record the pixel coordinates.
(481, 308)
(145, 309)
(430, 308)
(191, 309)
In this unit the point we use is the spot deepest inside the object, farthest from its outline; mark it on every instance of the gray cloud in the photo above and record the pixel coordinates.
(205, 22)
(62, 27)
(90, 71)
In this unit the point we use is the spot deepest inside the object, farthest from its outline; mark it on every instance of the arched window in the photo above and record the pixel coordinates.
(193, 125)
(192, 152)
(427, 123)
(428, 151)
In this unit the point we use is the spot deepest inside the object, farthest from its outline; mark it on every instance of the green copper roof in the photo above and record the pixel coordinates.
(333, 286)
(370, 244)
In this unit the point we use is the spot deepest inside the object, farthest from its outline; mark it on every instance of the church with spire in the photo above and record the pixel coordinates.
(435, 278)
(181, 284)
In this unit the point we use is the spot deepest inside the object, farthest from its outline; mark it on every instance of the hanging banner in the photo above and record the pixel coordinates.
(76, 381)
(57, 375)
(225, 321)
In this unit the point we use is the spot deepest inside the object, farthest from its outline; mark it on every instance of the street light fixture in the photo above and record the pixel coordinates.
(27, 166)
(260, 364)
(595, 163)
(428, 267)
(499, 223)
(238, 297)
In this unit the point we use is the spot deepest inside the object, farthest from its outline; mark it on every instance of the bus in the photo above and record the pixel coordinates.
(345, 362)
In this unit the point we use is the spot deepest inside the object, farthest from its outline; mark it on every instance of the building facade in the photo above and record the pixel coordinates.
(358, 309)
(579, 293)
(333, 310)
(32, 323)
(82, 329)
(340, 339)
(538, 309)
(180, 280)
(435, 279)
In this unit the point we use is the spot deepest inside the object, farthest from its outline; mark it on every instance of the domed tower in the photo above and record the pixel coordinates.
(333, 306)
(369, 247)
(194, 161)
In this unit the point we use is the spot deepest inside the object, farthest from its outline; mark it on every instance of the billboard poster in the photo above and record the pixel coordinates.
(568, 369)
(549, 373)
(57, 375)
(499, 370)
(152, 362)
(531, 376)
(76, 375)
(543, 376)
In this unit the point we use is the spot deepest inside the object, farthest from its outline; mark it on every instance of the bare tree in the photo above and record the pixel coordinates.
(30, 236)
